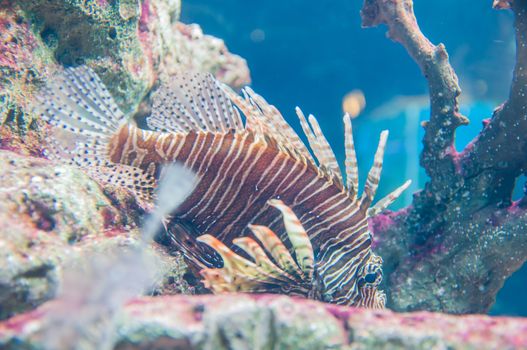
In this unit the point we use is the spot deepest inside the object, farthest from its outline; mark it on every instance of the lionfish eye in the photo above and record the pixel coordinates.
(370, 278)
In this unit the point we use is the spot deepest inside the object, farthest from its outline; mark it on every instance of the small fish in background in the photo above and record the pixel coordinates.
(247, 172)
(353, 103)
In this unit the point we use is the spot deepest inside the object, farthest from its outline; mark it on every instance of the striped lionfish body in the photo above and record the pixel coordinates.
(266, 215)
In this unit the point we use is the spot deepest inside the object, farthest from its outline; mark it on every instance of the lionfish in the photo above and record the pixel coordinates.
(251, 167)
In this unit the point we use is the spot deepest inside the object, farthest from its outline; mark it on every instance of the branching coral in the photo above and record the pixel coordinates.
(453, 248)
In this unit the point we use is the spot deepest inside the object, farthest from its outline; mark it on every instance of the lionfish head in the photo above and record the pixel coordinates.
(368, 279)
(354, 281)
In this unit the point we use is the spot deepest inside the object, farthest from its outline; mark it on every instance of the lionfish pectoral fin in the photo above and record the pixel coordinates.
(237, 274)
(232, 262)
(135, 180)
(256, 252)
(86, 118)
(298, 237)
(262, 274)
(276, 248)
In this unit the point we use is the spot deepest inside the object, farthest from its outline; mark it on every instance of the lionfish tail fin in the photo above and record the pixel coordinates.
(272, 268)
(86, 119)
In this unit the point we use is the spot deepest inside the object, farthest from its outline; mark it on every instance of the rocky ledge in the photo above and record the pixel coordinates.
(263, 322)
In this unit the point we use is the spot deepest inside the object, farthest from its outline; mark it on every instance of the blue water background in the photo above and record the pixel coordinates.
(311, 53)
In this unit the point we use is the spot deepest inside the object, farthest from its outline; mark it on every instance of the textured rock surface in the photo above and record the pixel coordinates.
(275, 322)
(194, 51)
(51, 216)
(128, 43)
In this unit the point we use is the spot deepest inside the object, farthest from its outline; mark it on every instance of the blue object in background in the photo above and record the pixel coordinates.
(311, 54)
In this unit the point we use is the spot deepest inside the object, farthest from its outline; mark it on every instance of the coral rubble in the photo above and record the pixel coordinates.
(453, 248)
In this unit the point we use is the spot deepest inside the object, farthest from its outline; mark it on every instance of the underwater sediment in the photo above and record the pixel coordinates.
(450, 251)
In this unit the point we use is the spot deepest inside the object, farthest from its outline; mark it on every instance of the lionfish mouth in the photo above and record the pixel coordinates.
(372, 298)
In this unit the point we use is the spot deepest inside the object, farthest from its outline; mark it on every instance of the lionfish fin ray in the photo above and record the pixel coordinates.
(327, 156)
(372, 181)
(276, 248)
(388, 200)
(298, 237)
(256, 252)
(237, 274)
(266, 121)
(231, 261)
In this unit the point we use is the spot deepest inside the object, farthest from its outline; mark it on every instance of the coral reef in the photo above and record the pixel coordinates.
(194, 51)
(453, 248)
(274, 322)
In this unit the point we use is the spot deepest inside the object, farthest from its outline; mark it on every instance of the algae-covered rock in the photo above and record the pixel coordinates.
(129, 43)
(52, 215)
(245, 321)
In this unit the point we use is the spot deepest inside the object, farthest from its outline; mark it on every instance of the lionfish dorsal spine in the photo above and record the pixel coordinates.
(352, 171)
(374, 175)
(193, 102)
